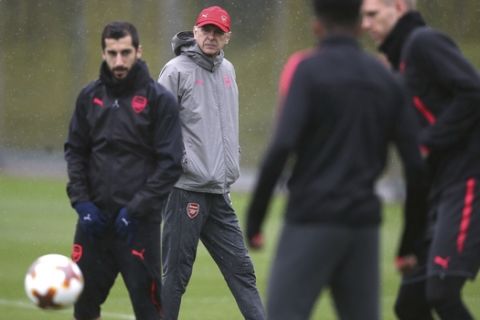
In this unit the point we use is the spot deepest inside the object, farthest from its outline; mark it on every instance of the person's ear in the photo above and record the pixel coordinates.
(139, 51)
(228, 36)
(318, 28)
(401, 6)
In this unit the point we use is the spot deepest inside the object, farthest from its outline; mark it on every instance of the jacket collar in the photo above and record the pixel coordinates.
(137, 78)
(339, 39)
(201, 59)
(393, 44)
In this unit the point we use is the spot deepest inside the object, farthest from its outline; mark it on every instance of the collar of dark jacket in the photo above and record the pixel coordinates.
(393, 44)
(136, 78)
(339, 39)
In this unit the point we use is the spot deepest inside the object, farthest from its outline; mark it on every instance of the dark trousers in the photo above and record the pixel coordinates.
(411, 303)
(419, 300)
(190, 217)
(138, 261)
(312, 257)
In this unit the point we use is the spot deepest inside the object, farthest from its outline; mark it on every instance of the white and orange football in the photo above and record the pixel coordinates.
(53, 281)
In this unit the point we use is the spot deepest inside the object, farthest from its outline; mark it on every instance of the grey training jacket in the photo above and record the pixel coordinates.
(208, 97)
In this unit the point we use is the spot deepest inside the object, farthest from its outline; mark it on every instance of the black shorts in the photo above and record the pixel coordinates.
(455, 247)
(137, 259)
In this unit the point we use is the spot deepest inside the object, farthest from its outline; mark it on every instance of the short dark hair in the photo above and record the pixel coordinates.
(119, 29)
(338, 12)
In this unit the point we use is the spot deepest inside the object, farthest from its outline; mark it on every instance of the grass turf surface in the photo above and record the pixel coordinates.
(36, 219)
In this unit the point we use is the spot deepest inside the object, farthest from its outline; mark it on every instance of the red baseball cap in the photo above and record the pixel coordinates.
(214, 15)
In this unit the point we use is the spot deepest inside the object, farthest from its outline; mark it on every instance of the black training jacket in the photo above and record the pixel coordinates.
(340, 114)
(445, 91)
(124, 144)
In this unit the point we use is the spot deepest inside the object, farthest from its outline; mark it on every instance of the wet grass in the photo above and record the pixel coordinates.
(35, 219)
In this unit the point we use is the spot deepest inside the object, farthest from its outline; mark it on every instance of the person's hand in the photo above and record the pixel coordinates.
(90, 218)
(406, 264)
(124, 224)
(256, 241)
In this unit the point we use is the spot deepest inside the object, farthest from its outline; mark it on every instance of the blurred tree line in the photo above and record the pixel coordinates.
(50, 49)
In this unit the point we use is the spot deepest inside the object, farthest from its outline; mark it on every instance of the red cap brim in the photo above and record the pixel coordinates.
(215, 23)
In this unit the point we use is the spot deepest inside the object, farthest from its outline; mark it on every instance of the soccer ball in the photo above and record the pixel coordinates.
(53, 281)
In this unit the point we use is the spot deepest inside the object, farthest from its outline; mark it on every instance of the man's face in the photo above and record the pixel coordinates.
(120, 55)
(379, 17)
(210, 39)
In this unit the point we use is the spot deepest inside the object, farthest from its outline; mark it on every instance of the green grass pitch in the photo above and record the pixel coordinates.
(36, 219)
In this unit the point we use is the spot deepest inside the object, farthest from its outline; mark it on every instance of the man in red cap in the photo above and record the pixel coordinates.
(199, 207)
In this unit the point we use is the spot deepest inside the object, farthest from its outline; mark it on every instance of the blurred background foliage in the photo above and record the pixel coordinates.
(50, 49)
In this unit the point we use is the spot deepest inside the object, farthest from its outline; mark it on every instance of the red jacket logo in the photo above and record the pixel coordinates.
(98, 102)
(227, 81)
(193, 209)
(139, 103)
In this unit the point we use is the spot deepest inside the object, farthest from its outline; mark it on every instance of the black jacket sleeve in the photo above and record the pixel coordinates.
(168, 148)
(77, 152)
(287, 134)
(439, 59)
(415, 208)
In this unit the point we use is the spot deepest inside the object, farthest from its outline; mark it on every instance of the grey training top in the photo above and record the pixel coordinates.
(208, 97)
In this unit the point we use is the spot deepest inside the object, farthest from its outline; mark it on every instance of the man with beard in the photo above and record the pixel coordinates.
(123, 156)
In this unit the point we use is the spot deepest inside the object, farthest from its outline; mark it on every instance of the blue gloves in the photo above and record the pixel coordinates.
(90, 218)
(124, 224)
(94, 223)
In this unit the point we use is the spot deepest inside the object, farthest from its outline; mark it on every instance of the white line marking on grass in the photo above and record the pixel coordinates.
(24, 305)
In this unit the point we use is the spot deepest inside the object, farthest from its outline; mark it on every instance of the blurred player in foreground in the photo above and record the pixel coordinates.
(342, 110)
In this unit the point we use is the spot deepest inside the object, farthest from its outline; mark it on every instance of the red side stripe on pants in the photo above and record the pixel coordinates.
(466, 214)
(153, 296)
